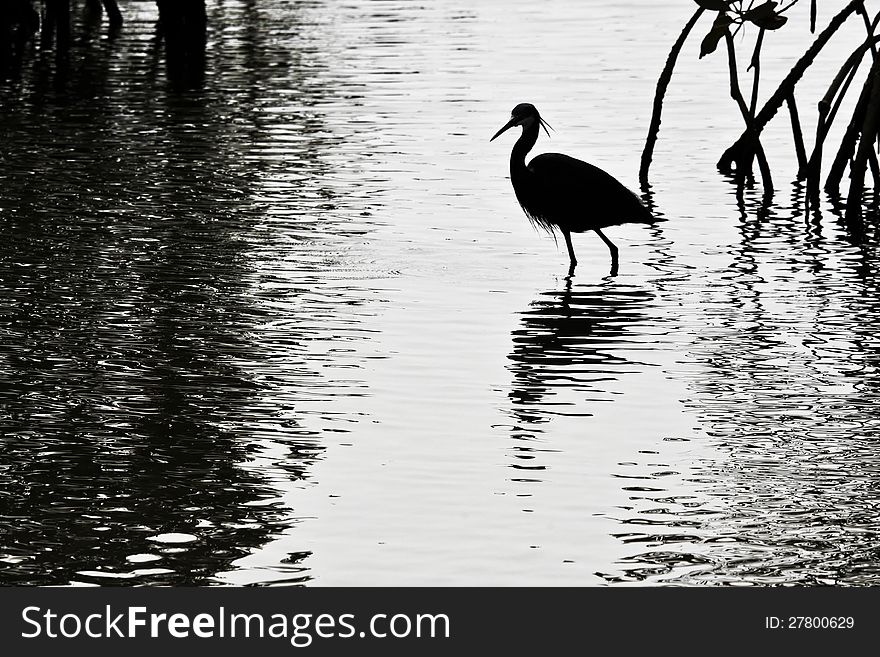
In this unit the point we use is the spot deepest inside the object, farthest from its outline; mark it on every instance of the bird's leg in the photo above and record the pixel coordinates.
(567, 236)
(611, 248)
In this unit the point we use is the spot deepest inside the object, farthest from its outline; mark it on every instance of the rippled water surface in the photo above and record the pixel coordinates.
(293, 327)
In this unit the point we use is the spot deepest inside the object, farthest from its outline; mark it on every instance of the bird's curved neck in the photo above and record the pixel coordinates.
(522, 146)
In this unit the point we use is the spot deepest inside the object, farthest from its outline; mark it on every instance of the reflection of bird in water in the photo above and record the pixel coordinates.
(571, 339)
(559, 192)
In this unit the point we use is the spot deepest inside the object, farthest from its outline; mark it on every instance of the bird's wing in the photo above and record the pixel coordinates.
(570, 186)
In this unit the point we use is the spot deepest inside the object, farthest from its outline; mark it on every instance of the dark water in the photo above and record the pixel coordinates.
(139, 330)
(291, 328)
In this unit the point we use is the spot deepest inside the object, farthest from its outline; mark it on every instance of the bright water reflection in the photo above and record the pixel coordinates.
(293, 328)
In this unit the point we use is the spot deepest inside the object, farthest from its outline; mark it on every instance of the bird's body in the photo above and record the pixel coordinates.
(558, 192)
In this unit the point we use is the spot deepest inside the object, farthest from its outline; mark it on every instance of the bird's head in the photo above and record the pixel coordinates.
(526, 115)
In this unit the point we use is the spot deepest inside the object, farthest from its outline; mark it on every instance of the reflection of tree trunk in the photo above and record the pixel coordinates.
(112, 9)
(56, 25)
(18, 21)
(183, 25)
(113, 13)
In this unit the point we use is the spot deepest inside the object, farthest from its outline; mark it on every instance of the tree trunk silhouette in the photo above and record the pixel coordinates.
(797, 134)
(742, 151)
(660, 93)
(747, 114)
(848, 144)
(866, 146)
(828, 108)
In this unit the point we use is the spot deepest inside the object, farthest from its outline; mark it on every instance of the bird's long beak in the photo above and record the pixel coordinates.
(507, 126)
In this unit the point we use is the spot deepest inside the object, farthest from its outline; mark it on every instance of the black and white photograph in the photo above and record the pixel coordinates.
(517, 299)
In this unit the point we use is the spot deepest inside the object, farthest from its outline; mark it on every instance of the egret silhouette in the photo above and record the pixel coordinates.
(560, 192)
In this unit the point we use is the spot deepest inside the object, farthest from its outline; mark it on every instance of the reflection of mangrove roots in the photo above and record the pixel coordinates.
(183, 26)
(18, 22)
(56, 25)
(113, 13)
(112, 9)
